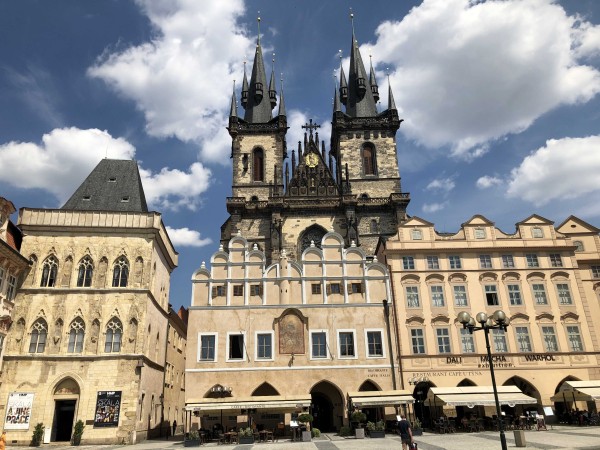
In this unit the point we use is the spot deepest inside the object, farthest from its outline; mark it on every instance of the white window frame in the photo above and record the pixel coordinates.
(532, 260)
(339, 347)
(11, 287)
(464, 333)
(595, 271)
(555, 260)
(508, 261)
(534, 291)
(433, 262)
(412, 346)
(485, 292)
(244, 355)
(440, 288)
(383, 349)
(544, 341)
(486, 262)
(416, 286)
(454, 286)
(569, 341)
(216, 335)
(407, 262)
(454, 261)
(272, 334)
(514, 293)
(3, 272)
(327, 352)
(499, 332)
(437, 342)
(559, 290)
(517, 340)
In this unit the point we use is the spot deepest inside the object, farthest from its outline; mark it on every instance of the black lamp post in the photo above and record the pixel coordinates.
(497, 321)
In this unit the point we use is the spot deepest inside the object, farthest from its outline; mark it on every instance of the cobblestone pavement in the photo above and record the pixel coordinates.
(556, 439)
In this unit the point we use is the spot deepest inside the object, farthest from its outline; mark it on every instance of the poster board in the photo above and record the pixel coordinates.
(18, 411)
(108, 407)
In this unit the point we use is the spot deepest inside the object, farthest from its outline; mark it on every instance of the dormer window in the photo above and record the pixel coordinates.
(87, 198)
(112, 180)
(417, 235)
(537, 232)
(125, 199)
(479, 233)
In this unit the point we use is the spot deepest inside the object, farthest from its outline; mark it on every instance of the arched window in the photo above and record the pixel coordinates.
(49, 272)
(312, 234)
(39, 332)
(76, 336)
(258, 165)
(369, 161)
(120, 272)
(86, 270)
(114, 331)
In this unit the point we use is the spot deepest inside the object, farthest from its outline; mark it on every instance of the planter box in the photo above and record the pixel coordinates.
(377, 434)
(191, 443)
(359, 433)
(306, 436)
(246, 439)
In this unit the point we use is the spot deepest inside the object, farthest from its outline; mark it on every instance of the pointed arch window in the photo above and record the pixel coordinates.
(258, 165)
(39, 333)
(85, 272)
(120, 272)
(369, 160)
(49, 272)
(76, 336)
(114, 332)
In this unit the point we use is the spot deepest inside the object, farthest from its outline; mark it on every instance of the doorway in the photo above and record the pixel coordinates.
(64, 414)
(322, 412)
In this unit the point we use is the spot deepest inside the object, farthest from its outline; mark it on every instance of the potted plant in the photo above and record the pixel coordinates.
(376, 429)
(38, 435)
(306, 419)
(246, 436)
(77, 433)
(358, 418)
(417, 428)
(192, 439)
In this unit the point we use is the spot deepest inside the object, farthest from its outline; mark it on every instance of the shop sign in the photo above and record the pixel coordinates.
(108, 405)
(18, 411)
(540, 357)
(454, 360)
(499, 361)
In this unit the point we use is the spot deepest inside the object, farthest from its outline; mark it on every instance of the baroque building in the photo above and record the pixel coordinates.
(91, 322)
(545, 278)
(294, 299)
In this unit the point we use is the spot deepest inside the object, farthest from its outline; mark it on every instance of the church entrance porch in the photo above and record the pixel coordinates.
(64, 415)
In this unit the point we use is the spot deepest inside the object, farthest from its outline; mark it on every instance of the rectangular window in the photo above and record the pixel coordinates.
(499, 337)
(479, 233)
(417, 235)
(335, 288)
(564, 294)
(408, 263)
(532, 260)
(319, 344)
(433, 262)
(508, 262)
(466, 340)
(11, 290)
(315, 288)
(574, 338)
(264, 346)
(454, 262)
(2, 274)
(238, 290)
(523, 340)
(207, 347)
(218, 291)
(485, 261)
(418, 341)
(374, 344)
(443, 340)
(460, 295)
(412, 296)
(514, 294)
(539, 293)
(595, 271)
(255, 289)
(437, 296)
(346, 339)
(356, 288)
(491, 295)
(236, 346)
(556, 260)
(549, 338)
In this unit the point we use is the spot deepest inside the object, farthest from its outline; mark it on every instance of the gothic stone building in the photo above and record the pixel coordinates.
(90, 323)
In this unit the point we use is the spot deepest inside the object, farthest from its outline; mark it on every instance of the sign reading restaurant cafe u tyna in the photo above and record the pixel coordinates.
(108, 405)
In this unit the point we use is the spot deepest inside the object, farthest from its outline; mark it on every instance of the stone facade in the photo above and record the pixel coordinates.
(547, 283)
(78, 332)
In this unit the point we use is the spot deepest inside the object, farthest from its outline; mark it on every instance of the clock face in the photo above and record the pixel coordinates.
(311, 160)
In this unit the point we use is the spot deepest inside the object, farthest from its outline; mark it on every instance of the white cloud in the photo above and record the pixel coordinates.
(469, 73)
(67, 155)
(182, 79)
(296, 133)
(433, 207)
(563, 169)
(185, 237)
(444, 185)
(487, 181)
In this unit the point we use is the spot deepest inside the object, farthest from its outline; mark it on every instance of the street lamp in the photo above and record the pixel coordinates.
(497, 321)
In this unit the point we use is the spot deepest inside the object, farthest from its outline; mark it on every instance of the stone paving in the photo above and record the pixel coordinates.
(575, 438)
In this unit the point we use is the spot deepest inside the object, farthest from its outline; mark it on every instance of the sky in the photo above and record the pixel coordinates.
(500, 101)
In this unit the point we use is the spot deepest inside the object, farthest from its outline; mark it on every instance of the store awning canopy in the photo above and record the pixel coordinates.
(578, 391)
(380, 398)
(274, 402)
(477, 396)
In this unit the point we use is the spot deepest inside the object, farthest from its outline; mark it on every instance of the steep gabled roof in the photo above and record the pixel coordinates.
(416, 221)
(113, 185)
(535, 219)
(477, 219)
(573, 224)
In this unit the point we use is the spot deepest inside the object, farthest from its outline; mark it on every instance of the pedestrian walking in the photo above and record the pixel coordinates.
(405, 433)
(174, 427)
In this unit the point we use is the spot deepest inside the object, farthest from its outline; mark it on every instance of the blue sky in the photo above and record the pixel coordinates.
(499, 100)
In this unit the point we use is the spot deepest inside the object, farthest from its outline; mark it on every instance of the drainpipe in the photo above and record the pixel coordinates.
(386, 310)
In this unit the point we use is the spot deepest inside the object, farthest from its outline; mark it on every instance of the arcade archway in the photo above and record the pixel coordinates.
(423, 411)
(373, 414)
(327, 406)
(528, 389)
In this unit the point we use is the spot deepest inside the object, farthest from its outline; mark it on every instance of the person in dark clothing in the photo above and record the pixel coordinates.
(405, 433)
(174, 427)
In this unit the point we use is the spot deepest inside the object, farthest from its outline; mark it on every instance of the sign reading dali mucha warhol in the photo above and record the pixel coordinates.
(18, 411)
(108, 405)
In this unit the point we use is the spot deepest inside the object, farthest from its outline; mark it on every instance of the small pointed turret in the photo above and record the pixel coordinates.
(336, 101)
(343, 83)
(281, 101)
(272, 90)
(373, 82)
(233, 110)
(245, 88)
(391, 102)
(258, 110)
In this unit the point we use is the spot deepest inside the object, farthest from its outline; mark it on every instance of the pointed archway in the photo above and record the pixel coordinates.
(528, 389)
(66, 398)
(562, 408)
(423, 410)
(374, 414)
(327, 406)
(264, 390)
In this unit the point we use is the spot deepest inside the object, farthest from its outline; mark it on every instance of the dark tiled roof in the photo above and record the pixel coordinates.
(113, 185)
(14, 237)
